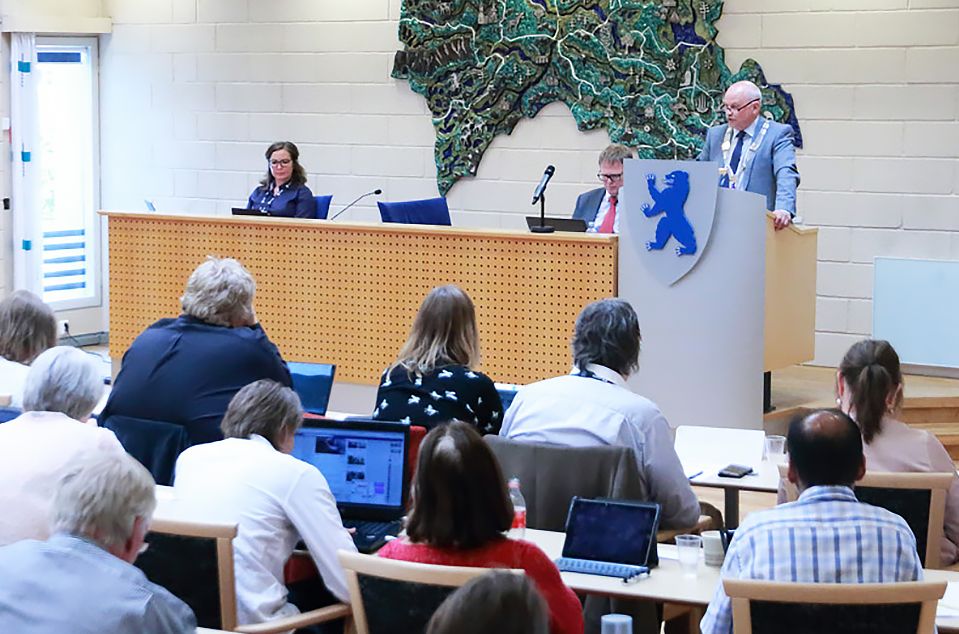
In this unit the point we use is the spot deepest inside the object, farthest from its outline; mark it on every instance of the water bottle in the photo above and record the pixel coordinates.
(518, 530)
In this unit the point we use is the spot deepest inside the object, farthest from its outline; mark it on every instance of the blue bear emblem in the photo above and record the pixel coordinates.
(671, 201)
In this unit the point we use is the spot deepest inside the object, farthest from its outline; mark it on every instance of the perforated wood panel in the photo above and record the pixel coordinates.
(347, 294)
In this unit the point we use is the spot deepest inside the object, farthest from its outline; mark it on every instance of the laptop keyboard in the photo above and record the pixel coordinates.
(603, 568)
(371, 535)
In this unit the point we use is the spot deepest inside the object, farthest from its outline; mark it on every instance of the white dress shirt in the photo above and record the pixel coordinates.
(13, 376)
(35, 448)
(275, 500)
(577, 411)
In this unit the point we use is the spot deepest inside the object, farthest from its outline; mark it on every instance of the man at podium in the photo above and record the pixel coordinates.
(756, 153)
(598, 206)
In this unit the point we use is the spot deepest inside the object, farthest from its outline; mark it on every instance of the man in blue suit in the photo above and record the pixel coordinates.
(598, 206)
(756, 154)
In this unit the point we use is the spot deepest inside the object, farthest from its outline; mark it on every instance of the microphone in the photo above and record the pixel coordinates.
(375, 192)
(541, 188)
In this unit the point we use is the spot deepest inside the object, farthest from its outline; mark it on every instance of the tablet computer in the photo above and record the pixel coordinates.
(240, 211)
(574, 225)
(614, 531)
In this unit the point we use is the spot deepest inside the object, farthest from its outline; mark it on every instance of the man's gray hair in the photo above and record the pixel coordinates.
(615, 153)
(220, 292)
(607, 334)
(264, 408)
(101, 495)
(63, 379)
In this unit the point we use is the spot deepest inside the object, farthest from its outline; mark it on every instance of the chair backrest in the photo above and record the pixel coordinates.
(323, 206)
(432, 211)
(417, 434)
(194, 561)
(918, 498)
(389, 595)
(9, 413)
(550, 475)
(155, 444)
(761, 607)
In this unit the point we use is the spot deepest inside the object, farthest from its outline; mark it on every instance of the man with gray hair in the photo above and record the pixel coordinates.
(184, 371)
(593, 406)
(82, 580)
(756, 153)
(62, 388)
(598, 206)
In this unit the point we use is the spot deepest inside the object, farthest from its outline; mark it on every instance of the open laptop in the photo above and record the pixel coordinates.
(313, 383)
(613, 538)
(365, 464)
(241, 211)
(575, 225)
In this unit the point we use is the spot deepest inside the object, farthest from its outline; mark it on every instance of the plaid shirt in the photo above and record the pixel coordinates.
(826, 536)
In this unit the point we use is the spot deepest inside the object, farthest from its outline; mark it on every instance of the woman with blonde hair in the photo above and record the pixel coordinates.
(434, 379)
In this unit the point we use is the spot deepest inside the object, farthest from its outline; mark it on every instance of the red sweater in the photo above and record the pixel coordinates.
(565, 611)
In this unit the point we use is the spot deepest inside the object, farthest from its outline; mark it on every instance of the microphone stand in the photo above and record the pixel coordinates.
(543, 227)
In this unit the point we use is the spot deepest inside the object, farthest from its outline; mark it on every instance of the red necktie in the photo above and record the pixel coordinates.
(609, 221)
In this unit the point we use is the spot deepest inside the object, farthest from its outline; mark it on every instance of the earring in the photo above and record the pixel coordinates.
(838, 401)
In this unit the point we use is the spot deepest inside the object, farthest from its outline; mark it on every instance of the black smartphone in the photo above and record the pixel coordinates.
(735, 471)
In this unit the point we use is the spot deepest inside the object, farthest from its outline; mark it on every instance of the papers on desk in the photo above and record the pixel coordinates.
(708, 449)
(948, 607)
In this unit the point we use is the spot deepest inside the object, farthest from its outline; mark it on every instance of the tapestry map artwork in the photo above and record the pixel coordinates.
(649, 72)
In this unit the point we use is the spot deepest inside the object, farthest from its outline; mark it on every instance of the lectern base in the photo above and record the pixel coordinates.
(546, 229)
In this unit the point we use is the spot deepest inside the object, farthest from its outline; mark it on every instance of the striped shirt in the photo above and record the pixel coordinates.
(826, 536)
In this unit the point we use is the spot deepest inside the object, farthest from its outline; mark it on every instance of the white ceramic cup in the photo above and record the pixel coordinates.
(713, 553)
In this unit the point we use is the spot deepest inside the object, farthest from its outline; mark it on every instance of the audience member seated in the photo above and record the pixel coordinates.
(276, 500)
(434, 380)
(283, 191)
(827, 535)
(500, 602)
(82, 580)
(27, 328)
(62, 388)
(460, 510)
(184, 371)
(594, 406)
(869, 387)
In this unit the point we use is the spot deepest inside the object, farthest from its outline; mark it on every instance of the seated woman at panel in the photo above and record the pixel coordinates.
(251, 480)
(283, 191)
(433, 380)
(460, 512)
(27, 328)
(869, 388)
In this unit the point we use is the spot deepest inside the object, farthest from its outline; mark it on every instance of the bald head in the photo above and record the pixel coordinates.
(742, 103)
(825, 449)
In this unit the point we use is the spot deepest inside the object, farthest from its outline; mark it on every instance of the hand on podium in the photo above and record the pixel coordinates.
(781, 219)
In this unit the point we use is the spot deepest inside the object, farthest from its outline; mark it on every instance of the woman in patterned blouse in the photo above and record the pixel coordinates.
(433, 380)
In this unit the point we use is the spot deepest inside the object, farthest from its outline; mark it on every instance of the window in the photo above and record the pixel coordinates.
(67, 158)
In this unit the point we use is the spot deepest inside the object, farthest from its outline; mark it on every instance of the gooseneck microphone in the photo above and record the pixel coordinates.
(541, 188)
(375, 192)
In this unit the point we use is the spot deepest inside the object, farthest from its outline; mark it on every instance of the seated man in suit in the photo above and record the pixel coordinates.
(593, 406)
(757, 154)
(598, 206)
(827, 535)
(82, 580)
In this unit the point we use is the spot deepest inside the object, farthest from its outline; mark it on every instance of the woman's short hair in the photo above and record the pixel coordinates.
(220, 292)
(459, 494)
(27, 327)
(498, 601)
(444, 332)
(101, 495)
(265, 408)
(65, 380)
(298, 177)
(607, 334)
(871, 372)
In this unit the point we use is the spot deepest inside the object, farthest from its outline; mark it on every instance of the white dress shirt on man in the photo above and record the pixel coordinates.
(275, 500)
(578, 411)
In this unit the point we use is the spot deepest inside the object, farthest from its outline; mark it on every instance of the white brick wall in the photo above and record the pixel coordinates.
(192, 91)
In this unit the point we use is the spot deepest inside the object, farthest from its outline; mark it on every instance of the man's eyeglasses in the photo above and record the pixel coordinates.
(612, 178)
(280, 162)
(735, 109)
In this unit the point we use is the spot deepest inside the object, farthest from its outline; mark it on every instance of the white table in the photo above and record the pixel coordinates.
(765, 479)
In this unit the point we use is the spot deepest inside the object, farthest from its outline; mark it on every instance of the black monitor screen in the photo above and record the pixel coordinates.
(617, 532)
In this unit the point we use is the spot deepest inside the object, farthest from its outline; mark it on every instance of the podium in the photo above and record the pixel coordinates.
(742, 304)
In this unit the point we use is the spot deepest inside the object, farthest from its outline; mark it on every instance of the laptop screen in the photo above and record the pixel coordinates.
(604, 530)
(313, 383)
(363, 462)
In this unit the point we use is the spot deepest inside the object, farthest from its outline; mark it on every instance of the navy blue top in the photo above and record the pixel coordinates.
(185, 371)
(291, 202)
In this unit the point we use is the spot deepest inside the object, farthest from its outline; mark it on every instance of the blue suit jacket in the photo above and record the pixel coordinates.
(587, 205)
(772, 170)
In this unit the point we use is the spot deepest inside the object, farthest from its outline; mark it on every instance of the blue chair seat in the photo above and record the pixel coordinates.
(432, 211)
(323, 206)
(9, 413)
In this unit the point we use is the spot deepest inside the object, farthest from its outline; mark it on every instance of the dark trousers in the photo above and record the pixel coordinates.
(311, 594)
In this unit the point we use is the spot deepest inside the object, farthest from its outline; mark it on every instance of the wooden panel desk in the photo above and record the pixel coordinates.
(347, 293)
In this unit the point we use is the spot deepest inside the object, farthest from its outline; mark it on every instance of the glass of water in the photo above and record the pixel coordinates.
(688, 547)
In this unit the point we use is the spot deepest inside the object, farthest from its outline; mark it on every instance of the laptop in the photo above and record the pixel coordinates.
(240, 211)
(313, 383)
(365, 464)
(613, 538)
(575, 225)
